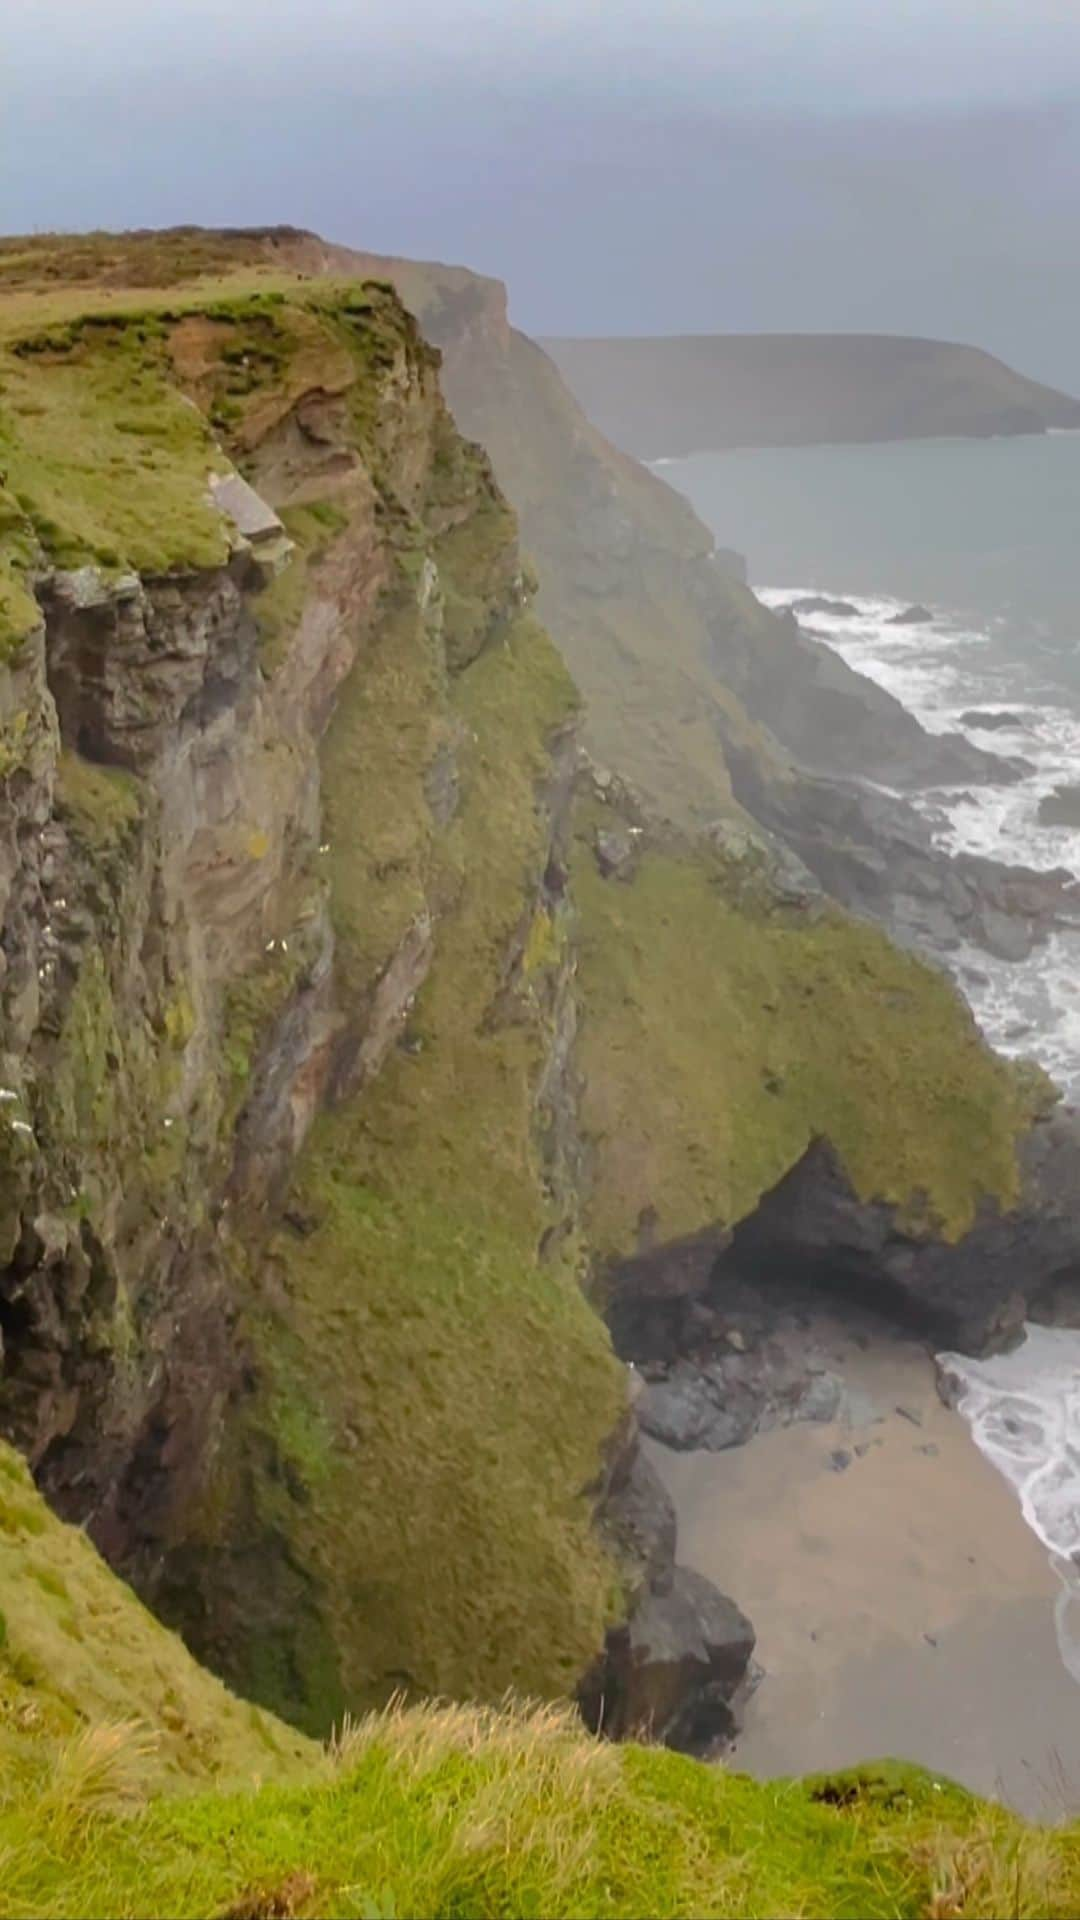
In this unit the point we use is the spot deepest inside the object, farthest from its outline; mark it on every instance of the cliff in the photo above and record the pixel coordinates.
(698, 393)
(361, 1033)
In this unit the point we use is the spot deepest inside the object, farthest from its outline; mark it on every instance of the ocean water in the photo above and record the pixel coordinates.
(986, 536)
(1023, 1409)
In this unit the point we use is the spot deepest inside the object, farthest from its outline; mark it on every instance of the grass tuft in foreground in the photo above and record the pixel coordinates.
(449, 1810)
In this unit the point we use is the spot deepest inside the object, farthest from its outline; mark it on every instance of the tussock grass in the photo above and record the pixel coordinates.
(515, 1811)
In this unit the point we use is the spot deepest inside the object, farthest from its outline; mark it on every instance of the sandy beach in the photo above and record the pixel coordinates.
(902, 1606)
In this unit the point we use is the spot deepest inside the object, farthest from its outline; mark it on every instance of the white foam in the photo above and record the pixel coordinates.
(1023, 1409)
(939, 670)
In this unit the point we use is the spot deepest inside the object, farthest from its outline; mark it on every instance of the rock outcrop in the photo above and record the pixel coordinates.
(679, 1667)
(811, 1238)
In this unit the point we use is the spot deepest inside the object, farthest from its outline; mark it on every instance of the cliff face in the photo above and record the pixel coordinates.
(351, 1017)
(283, 821)
(702, 392)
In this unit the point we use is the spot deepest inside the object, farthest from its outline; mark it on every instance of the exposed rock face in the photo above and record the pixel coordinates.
(678, 1668)
(831, 719)
(875, 853)
(811, 1235)
(225, 892)
(675, 1671)
(972, 1294)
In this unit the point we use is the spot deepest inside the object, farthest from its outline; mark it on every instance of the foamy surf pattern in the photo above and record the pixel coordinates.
(1023, 1409)
(940, 670)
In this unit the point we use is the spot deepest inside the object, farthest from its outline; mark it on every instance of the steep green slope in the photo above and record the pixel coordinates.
(79, 1654)
(434, 1397)
(724, 1030)
(699, 392)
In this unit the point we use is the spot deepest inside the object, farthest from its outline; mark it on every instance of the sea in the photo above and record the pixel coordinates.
(985, 536)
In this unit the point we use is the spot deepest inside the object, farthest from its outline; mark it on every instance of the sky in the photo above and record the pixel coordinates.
(627, 166)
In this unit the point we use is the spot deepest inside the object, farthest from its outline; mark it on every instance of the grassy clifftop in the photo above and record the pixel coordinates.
(132, 1783)
(701, 392)
(453, 1811)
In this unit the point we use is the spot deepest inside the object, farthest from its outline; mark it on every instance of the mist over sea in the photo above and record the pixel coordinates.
(986, 536)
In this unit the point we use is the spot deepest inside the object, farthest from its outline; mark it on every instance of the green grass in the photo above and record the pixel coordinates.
(410, 1359)
(101, 806)
(453, 1811)
(721, 1035)
(280, 605)
(104, 458)
(77, 1650)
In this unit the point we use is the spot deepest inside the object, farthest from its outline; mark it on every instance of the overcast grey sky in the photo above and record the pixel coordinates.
(627, 165)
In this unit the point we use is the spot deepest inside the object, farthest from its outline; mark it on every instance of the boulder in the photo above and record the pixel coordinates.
(685, 1411)
(674, 1672)
(917, 616)
(819, 603)
(638, 1517)
(615, 849)
(988, 721)
(1060, 808)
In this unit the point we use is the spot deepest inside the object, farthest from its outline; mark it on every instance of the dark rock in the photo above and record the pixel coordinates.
(988, 722)
(682, 1411)
(639, 1519)
(872, 851)
(917, 616)
(819, 603)
(839, 1459)
(724, 1402)
(652, 1298)
(972, 1294)
(615, 851)
(821, 1401)
(1060, 808)
(675, 1671)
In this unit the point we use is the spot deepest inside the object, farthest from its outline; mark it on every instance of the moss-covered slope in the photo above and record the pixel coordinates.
(724, 1030)
(79, 1653)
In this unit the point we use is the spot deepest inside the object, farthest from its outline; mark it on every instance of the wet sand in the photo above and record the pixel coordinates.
(902, 1606)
